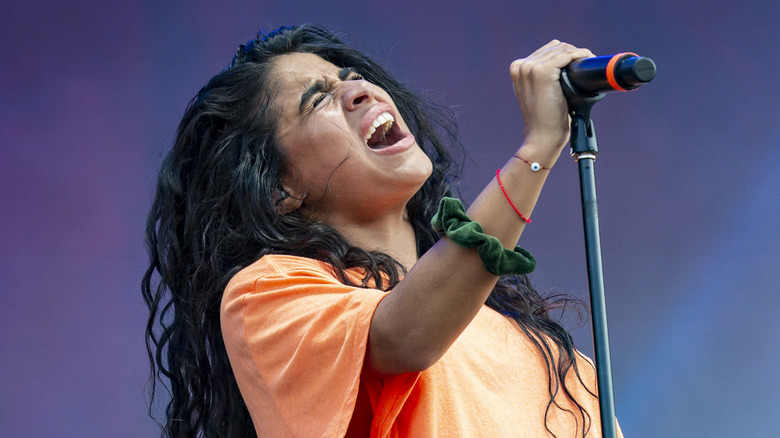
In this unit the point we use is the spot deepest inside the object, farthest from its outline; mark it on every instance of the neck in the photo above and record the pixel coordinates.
(392, 235)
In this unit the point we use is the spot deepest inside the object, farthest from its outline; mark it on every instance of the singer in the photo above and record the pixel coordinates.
(311, 276)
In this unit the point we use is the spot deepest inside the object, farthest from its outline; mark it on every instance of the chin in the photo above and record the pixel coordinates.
(420, 170)
(425, 173)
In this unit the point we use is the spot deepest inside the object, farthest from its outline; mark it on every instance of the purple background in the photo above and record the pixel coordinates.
(90, 94)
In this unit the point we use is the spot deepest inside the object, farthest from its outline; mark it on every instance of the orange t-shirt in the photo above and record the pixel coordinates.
(297, 337)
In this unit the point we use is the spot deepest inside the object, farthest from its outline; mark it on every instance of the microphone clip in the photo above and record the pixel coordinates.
(583, 133)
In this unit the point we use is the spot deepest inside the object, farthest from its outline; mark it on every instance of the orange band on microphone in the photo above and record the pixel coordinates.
(611, 70)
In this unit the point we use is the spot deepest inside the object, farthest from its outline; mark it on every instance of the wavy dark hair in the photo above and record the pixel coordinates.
(214, 214)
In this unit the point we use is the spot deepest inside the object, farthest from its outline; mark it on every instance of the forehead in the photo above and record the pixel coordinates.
(296, 70)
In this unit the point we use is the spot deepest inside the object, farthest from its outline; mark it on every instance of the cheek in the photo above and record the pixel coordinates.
(318, 159)
(325, 149)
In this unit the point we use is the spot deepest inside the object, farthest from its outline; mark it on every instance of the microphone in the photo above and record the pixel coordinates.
(620, 72)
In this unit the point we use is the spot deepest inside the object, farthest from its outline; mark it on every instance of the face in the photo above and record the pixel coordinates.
(351, 155)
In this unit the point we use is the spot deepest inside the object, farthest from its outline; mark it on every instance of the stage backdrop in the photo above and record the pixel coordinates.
(91, 92)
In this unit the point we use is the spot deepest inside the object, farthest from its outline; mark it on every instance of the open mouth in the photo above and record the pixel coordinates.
(383, 132)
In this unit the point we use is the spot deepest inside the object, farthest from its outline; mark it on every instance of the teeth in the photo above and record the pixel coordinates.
(385, 120)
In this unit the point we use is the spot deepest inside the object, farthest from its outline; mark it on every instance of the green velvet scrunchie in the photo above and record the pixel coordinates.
(453, 221)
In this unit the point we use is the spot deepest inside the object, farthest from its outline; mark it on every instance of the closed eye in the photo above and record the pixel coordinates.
(354, 76)
(320, 90)
(317, 100)
(316, 89)
(349, 74)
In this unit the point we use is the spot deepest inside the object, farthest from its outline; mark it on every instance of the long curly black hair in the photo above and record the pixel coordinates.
(214, 214)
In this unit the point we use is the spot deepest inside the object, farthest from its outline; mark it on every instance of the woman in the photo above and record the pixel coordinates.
(301, 289)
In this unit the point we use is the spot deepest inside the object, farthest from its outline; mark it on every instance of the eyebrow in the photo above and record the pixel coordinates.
(322, 86)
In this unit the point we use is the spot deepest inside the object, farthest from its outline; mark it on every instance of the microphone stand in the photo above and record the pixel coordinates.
(584, 149)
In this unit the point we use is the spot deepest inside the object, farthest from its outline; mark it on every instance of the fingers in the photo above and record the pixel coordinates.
(535, 80)
(548, 59)
(561, 50)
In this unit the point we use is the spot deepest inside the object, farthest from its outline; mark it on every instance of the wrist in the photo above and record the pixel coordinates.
(535, 166)
(543, 156)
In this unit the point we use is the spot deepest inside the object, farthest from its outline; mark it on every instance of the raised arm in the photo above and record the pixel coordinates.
(425, 313)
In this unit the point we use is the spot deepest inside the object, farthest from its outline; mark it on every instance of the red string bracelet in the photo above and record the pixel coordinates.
(498, 178)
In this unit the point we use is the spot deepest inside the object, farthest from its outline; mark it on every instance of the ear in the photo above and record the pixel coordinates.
(288, 200)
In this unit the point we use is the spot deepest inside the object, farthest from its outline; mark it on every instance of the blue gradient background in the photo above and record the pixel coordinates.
(90, 94)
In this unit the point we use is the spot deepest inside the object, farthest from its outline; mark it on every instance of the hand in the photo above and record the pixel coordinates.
(545, 112)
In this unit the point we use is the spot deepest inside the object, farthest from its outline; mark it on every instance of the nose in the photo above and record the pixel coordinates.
(356, 93)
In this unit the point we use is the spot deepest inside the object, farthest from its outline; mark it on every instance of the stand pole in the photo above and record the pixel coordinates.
(598, 306)
(584, 149)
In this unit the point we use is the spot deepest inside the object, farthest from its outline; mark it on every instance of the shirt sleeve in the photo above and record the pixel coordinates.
(296, 338)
